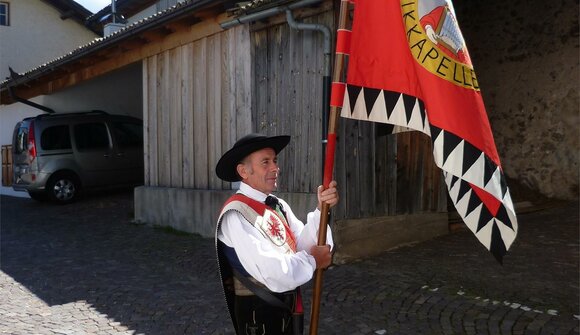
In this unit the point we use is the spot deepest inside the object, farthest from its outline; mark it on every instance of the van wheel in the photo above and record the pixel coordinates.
(63, 188)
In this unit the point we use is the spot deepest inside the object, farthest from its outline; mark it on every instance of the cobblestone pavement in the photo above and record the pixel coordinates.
(86, 268)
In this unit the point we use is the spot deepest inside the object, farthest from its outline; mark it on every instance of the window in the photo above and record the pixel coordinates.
(90, 136)
(128, 135)
(55, 138)
(4, 14)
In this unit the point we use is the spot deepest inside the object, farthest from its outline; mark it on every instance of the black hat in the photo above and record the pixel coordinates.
(227, 165)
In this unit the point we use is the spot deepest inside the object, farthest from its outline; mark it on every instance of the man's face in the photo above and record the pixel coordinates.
(260, 170)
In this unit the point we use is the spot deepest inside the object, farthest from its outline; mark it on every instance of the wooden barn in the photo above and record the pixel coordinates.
(204, 86)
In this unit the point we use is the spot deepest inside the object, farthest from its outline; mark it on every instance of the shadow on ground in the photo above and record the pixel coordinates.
(152, 281)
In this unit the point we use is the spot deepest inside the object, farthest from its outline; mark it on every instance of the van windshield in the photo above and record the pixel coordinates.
(20, 141)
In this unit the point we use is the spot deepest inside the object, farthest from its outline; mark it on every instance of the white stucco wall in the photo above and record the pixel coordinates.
(37, 35)
(117, 92)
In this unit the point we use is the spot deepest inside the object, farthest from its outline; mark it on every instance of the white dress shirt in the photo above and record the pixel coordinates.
(280, 272)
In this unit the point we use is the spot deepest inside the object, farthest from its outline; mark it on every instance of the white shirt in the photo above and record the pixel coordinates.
(280, 272)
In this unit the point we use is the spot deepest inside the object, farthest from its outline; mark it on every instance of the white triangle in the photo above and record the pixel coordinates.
(360, 111)
(507, 234)
(416, 122)
(448, 176)
(427, 128)
(454, 191)
(454, 161)
(438, 151)
(508, 203)
(398, 115)
(472, 219)
(462, 204)
(475, 173)
(484, 234)
(511, 215)
(493, 187)
(379, 111)
(345, 112)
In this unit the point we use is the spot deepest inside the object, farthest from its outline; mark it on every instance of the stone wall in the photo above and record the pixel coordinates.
(526, 57)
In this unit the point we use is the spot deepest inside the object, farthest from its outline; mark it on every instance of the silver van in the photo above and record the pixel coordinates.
(57, 155)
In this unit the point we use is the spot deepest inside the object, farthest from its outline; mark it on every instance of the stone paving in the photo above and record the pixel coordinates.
(86, 268)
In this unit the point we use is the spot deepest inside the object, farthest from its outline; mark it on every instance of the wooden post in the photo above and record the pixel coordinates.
(328, 168)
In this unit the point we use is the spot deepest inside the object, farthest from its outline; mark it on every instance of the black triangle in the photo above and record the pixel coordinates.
(422, 111)
(474, 201)
(353, 93)
(454, 179)
(409, 102)
(488, 170)
(484, 218)
(503, 184)
(463, 188)
(371, 95)
(497, 247)
(450, 141)
(503, 216)
(435, 131)
(391, 99)
(470, 156)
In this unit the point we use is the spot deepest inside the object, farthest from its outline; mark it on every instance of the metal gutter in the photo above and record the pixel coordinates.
(267, 13)
(326, 82)
(316, 27)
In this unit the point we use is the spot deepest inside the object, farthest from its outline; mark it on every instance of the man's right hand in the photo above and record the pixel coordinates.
(322, 255)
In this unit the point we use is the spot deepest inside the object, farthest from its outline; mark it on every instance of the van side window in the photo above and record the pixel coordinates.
(55, 138)
(90, 136)
(128, 135)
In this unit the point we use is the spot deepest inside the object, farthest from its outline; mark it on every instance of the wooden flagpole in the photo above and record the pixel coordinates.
(328, 167)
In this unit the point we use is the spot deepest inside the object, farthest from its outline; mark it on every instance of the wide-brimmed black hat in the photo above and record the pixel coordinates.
(226, 168)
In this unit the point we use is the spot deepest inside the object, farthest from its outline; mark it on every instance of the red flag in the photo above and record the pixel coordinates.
(409, 67)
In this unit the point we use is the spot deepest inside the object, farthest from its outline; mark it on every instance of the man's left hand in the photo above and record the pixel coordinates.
(330, 195)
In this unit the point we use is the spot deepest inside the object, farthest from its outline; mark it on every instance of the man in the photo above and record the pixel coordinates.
(265, 253)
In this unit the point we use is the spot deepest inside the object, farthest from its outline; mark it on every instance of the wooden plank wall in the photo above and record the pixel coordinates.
(197, 100)
(287, 85)
(7, 172)
(386, 174)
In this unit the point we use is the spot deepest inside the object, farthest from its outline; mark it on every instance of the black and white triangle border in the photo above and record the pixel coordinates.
(462, 163)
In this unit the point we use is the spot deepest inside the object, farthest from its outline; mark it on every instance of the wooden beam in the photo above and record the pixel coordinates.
(110, 59)
(153, 36)
(133, 43)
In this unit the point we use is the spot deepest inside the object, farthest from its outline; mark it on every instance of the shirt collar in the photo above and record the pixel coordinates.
(251, 192)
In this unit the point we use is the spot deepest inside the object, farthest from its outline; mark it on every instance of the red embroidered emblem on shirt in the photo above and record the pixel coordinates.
(274, 228)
